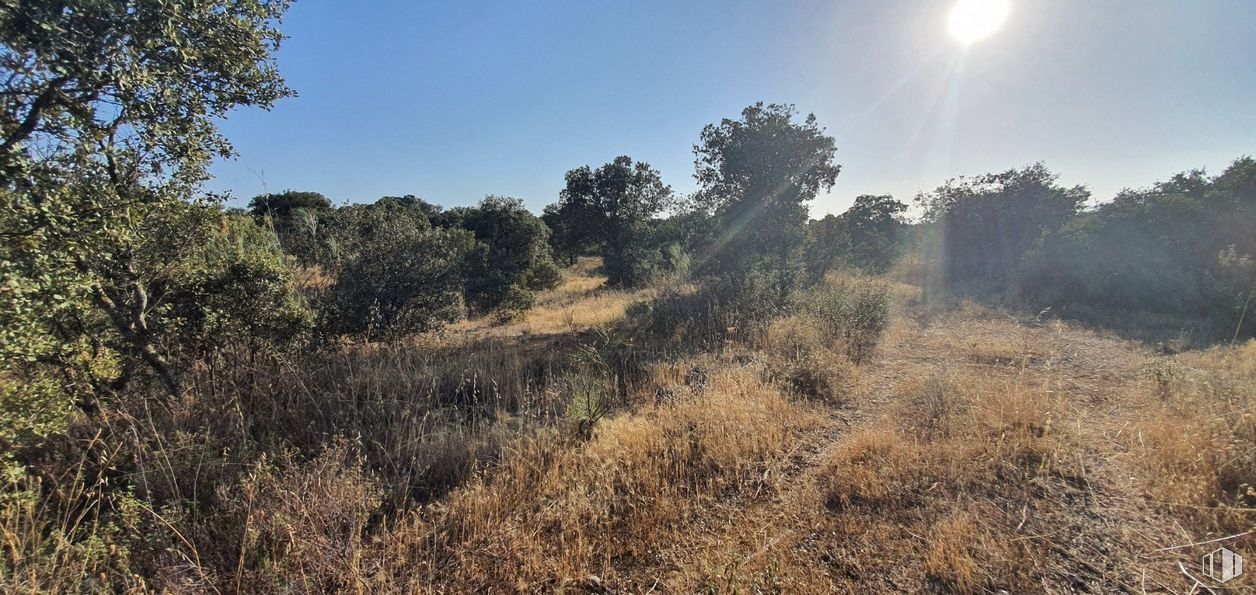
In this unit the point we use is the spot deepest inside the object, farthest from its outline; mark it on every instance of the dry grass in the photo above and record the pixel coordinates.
(973, 453)
(1195, 436)
(549, 517)
(580, 302)
(934, 477)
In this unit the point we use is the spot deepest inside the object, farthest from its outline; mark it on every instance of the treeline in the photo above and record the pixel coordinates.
(1174, 258)
(402, 265)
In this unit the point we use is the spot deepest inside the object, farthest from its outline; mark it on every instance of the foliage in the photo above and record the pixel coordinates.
(568, 240)
(431, 211)
(284, 204)
(827, 246)
(511, 258)
(689, 228)
(394, 273)
(985, 226)
(873, 226)
(229, 287)
(107, 118)
(295, 216)
(611, 207)
(1173, 258)
(1182, 248)
(867, 237)
(852, 313)
(755, 174)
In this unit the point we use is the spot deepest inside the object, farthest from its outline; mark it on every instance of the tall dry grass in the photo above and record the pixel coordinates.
(559, 450)
(955, 473)
(1195, 436)
(550, 517)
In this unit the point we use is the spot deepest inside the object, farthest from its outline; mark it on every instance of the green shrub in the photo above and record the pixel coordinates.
(852, 313)
(544, 274)
(514, 304)
(397, 276)
(231, 287)
(511, 257)
(588, 398)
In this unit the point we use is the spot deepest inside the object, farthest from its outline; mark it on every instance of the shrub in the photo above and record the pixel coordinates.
(398, 276)
(514, 304)
(511, 256)
(231, 287)
(295, 217)
(987, 225)
(587, 400)
(851, 312)
(711, 313)
(543, 275)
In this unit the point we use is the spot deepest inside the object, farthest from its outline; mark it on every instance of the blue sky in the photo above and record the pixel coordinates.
(452, 101)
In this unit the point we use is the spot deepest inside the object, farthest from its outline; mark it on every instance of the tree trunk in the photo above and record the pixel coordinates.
(133, 326)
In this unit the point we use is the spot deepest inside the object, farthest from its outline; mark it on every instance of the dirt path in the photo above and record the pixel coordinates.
(1084, 526)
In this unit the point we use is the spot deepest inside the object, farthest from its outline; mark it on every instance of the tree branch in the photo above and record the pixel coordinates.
(31, 121)
(135, 330)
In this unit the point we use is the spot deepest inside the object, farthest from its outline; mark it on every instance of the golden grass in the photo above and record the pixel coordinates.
(967, 555)
(1195, 435)
(580, 302)
(550, 516)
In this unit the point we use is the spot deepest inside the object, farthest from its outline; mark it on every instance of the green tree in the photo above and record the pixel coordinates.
(569, 238)
(295, 216)
(986, 226)
(512, 257)
(827, 244)
(755, 174)
(872, 226)
(219, 286)
(281, 205)
(1181, 250)
(395, 274)
(615, 204)
(430, 211)
(108, 115)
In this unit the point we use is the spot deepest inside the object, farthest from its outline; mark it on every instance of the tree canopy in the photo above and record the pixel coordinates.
(108, 120)
(612, 206)
(755, 175)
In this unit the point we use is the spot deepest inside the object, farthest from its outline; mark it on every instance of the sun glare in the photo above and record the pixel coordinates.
(971, 21)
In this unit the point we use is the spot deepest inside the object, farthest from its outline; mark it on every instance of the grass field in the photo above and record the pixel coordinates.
(972, 452)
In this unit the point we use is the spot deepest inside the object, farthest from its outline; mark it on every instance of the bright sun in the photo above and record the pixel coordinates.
(973, 20)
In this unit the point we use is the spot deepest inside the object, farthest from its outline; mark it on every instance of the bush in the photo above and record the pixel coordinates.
(512, 255)
(588, 398)
(987, 225)
(717, 310)
(849, 312)
(544, 275)
(232, 287)
(397, 276)
(514, 304)
(295, 218)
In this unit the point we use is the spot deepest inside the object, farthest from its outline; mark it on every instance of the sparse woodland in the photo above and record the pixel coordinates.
(1011, 387)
